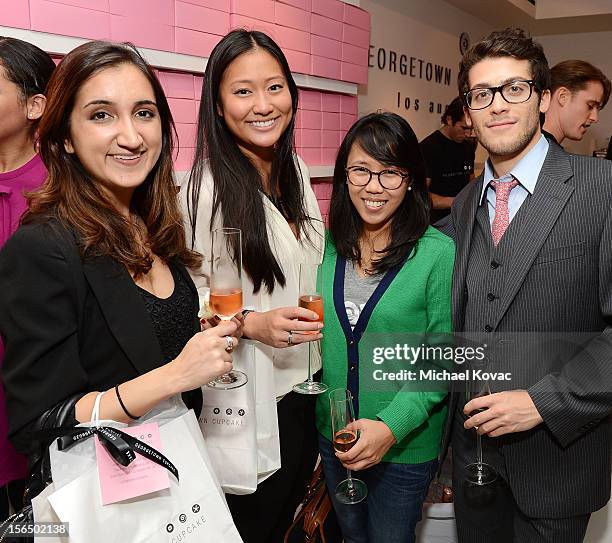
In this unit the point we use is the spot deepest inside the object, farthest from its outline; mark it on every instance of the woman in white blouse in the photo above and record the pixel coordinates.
(246, 175)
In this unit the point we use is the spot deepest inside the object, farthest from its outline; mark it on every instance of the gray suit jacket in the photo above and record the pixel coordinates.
(559, 283)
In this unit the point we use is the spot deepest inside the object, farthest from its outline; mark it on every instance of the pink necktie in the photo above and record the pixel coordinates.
(502, 216)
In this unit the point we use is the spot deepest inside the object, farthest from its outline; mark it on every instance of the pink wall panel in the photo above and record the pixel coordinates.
(197, 86)
(176, 85)
(258, 9)
(326, 67)
(157, 11)
(330, 121)
(152, 35)
(330, 102)
(186, 134)
(310, 138)
(326, 47)
(355, 36)
(18, 16)
(327, 28)
(184, 159)
(183, 110)
(331, 138)
(334, 9)
(357, 17)
(302, 4)
(202, 19)
(348, 104)
(242, 21)
(310, 99)
(347, 120)
(196, 43)
(57, 18)
(286, 15)
(310, 119)
(291, 38)
(354, 55)
(98, 5)
(354, 73)
(221, 5)
(298, 62)
(324, 206)
(323, 190)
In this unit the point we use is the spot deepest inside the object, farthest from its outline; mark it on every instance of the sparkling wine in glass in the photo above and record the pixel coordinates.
(349, 491)
(225, 299)
(310, 297)
(479, 472)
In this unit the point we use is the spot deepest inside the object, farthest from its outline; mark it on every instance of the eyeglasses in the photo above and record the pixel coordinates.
(515, 92)
(360, 176)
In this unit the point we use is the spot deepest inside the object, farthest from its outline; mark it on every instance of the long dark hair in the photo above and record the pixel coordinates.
(71, 195)
(237, 183)
(388, 138)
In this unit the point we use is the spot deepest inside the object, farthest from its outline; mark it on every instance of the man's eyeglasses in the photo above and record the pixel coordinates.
(360, 176)
(515, 92)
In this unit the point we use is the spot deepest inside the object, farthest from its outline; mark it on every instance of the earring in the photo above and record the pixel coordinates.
(409, 188)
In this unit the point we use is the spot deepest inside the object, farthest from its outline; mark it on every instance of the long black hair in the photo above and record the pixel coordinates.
(387, 138)
(237, 183)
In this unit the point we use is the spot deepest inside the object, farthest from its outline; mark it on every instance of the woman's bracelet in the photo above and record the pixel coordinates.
(123, 405)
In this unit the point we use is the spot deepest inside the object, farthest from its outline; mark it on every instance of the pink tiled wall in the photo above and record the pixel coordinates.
(326, 38)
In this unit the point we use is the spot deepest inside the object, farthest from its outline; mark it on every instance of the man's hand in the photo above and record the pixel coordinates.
(375, 439)
(504, 413)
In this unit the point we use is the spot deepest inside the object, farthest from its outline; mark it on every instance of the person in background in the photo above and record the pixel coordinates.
(579, 91)
(24, 72)
(246, 175)
(385, 271)
(95, 295)
(449, 159)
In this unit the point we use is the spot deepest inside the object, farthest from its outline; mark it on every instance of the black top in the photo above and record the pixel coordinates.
(72, 325)
(172, 317)
(448, 164)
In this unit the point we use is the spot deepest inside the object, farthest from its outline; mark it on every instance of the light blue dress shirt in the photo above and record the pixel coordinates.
(526, 172)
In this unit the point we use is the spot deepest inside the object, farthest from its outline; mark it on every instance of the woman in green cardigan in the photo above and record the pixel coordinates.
(386, 281)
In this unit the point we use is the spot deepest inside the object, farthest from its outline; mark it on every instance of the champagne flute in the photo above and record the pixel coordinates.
(350, 491)
(310, 297)
(226, 290)
(479, 472)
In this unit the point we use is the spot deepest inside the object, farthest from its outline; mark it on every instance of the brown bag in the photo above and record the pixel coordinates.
(316, 506)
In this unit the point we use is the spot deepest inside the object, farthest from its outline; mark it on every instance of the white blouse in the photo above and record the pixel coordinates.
(290, 364)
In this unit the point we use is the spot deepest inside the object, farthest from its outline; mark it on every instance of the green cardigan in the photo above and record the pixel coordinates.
(409, 302)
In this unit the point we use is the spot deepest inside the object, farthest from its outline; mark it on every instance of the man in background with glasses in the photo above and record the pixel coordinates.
(449, 159)
(533, 268)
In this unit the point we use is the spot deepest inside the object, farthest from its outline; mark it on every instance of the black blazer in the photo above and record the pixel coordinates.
(68, 325)
(558, 282)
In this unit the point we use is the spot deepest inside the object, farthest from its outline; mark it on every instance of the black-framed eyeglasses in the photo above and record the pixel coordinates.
(389, 179)
(515, 92)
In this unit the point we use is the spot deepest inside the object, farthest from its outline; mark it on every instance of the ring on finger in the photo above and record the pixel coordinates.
(290, 338)
(229, 344)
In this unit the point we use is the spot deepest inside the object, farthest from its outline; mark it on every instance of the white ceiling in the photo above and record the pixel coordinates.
(547, 17)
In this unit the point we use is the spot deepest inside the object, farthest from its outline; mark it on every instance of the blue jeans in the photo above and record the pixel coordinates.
(393, 507)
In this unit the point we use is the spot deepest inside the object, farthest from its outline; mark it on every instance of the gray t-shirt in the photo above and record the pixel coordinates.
(357, 291)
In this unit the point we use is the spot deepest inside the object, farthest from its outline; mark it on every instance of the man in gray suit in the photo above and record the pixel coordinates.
(532, 279)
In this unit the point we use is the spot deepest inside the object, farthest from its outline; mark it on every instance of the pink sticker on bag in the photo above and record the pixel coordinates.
(142, 476)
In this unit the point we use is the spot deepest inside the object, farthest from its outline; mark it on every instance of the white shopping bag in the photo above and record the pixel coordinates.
(240, 426)
(191, 510)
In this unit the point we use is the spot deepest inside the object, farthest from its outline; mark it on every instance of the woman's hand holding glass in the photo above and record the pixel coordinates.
(204, 358)
(283, 327)
(375, 439)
